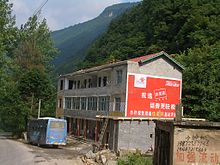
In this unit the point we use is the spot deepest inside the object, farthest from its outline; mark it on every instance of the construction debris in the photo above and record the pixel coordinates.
(103, 157)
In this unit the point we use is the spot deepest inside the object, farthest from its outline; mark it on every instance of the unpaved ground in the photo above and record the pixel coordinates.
(67, 155)
(18, 152)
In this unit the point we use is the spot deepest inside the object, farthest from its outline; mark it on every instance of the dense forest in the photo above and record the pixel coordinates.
(25, 71)
(188, 29)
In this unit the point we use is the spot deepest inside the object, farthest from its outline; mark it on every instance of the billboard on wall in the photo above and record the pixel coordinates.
(152, 97)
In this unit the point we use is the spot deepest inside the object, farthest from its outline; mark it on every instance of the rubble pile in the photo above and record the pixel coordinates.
(103, 157)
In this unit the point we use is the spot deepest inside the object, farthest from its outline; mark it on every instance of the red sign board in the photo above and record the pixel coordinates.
(152, 97)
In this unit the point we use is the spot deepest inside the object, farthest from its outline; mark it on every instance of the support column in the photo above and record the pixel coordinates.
(85, 129)
(96, 131)
(70, 126)
(114, 135)
(78, 127)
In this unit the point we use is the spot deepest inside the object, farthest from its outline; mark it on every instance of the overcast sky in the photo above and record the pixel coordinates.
(61, 13)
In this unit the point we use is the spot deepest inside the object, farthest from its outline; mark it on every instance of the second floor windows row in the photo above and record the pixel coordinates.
(88, 83)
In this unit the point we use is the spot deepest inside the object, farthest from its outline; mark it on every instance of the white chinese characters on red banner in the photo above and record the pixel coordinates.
(152, 97)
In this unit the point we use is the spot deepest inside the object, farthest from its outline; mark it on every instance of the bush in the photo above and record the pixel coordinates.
(135, 159)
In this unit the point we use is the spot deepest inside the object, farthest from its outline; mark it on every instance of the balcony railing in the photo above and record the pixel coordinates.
(91, 114)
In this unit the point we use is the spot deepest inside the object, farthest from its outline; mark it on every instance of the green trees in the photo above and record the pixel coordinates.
(201, 81)
(25, 71)
(7, 38)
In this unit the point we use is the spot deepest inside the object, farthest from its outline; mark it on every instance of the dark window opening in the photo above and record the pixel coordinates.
(60, 103)
(100, 82)
(90, 83)
(78, 84)
(85, 83)
(61, 84)
(70, 84)
(104, 81)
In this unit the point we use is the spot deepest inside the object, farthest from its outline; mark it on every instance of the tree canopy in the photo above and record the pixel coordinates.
(201, 81)
(25, 70)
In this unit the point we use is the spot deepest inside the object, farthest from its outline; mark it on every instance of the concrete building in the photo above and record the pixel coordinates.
(119, 100)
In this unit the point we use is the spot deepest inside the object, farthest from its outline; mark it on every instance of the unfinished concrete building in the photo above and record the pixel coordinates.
(115, 103)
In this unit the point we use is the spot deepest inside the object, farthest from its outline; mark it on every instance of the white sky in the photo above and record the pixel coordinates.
(61, 13)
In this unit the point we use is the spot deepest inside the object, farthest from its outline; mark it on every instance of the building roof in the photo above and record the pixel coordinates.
(150, 57)
(140, 60)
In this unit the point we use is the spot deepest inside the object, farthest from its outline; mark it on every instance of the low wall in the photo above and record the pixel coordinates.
(134, 135)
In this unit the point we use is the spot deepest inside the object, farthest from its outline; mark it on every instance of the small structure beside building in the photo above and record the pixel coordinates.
(187, 143)
(115, 103)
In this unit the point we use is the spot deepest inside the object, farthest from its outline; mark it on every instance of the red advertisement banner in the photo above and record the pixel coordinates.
(152, 97)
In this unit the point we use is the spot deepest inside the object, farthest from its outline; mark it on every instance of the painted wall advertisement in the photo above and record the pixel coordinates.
(196, 146)
(152, 97)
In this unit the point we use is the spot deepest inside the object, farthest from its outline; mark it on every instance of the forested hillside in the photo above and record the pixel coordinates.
(190, 29)
(73, 41)
(157, 25)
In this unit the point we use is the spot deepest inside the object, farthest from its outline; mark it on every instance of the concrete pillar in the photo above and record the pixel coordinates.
(96, 131)
(70, 125)
(114, 134)
(85, 129)
(78, 127)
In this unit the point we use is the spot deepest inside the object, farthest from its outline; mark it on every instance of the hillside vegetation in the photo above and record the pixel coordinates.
(157, 25)
(188, 28)
(72, 42)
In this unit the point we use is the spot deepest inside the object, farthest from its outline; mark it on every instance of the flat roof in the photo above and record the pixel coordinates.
(191, 123)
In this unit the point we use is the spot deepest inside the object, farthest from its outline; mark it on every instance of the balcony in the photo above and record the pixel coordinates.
(91, 114)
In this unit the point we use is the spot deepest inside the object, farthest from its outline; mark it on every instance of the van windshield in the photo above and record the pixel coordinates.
(56, 124)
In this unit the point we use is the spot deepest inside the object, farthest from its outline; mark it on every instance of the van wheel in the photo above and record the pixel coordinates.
(55, 146)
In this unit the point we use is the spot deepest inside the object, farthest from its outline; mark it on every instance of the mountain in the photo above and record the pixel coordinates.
(155, 25)
(72, 42)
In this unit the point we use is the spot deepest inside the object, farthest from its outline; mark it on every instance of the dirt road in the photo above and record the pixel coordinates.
(17, 153)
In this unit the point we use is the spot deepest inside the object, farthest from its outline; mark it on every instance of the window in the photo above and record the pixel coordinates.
(60, 103)
(104, 103)
(76, 102)
(117, 104)
(57, 124)
(99, 82)
(119, 77)
(68, 102)
(83, 103)
(74, 84)
(78, 84)
(92, 103)
(70, 84)
(61, 84)
(90, 83)
(104, 81)
(85, 83)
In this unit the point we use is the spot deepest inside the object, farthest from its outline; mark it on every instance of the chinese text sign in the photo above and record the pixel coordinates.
(152, 97)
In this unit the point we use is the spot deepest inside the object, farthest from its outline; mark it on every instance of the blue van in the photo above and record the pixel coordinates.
(47, 131)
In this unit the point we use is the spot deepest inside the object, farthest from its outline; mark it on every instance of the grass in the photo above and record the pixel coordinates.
(135, 159)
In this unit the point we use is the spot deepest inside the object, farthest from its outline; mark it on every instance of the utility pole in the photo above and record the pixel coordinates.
(39, 106)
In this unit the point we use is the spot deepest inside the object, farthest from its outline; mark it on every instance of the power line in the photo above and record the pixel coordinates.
(38, 10)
